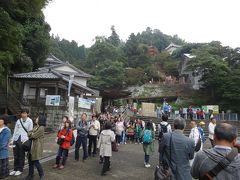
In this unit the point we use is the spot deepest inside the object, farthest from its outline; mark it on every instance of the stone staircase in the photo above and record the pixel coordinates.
(11, 102)
(188, 128)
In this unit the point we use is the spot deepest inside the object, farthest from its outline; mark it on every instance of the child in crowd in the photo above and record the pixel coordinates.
(64, 138)
(5, 135)
(130, 132)
(106, 138)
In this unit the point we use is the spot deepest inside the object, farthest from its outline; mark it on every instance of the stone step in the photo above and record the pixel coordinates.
(188, 128)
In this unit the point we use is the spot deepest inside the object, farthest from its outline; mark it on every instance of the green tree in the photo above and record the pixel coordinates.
(24, 35)
(109, 75)
(101, 51)
(114, 38)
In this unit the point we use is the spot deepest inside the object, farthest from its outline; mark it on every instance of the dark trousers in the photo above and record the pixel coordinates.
(146, 158)
(92, 141)
(106, 164)
(81, 141)
(212, 142)
(119, 138)
(4, 171)
(37, 164)
(19, 156)
(62, 154)
(130, 137)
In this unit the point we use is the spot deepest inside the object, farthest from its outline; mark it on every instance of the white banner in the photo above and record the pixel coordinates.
(71, 108)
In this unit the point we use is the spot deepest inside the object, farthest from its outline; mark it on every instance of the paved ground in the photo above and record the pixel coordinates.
(127, 163)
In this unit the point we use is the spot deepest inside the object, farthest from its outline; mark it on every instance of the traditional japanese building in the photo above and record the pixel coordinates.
(57, 77)
(171, 48)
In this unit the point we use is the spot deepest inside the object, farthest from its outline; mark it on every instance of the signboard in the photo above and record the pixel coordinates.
(84, 103)
(214, 108)
(52, 100)
(185, 110)
(148, 109)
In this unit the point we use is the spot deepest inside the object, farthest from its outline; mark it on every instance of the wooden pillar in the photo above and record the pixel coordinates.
(56, 89)
(37, 94)
(22, 90)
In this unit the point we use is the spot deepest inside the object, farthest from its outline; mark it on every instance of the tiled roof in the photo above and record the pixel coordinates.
(36, 75)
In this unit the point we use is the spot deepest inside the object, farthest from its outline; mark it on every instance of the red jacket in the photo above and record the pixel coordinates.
(68, 133)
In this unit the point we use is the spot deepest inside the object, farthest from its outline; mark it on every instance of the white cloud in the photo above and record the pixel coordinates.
(192, 20)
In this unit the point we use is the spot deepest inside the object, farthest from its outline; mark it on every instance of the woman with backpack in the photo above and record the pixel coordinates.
(64, 138)
(37, 137)
(148, 143)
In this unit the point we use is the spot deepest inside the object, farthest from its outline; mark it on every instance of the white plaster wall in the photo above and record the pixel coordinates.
(65, 68)
(26, 89)
(29, 92)
(81, 80)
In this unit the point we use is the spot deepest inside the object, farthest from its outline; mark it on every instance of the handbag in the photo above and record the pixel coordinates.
(28, 143)
(163, 171)
(114, 146)
(61, 140)
(198, 145)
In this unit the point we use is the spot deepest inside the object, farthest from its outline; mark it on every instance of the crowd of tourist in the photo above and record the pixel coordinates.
(181, 156)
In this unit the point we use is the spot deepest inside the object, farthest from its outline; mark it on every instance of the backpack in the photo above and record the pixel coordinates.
(163, 129)
(147, 136)
(72, 140)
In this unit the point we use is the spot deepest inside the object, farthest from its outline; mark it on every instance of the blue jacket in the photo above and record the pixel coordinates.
(5, 136)
(166, 108)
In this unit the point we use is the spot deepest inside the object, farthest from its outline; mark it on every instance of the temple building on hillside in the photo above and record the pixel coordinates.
(187, 75)
(172, 47)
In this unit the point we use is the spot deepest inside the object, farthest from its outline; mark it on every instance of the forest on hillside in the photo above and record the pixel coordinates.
(25, 43)
(116, 64)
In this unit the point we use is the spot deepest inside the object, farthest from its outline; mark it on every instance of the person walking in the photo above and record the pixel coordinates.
(82, 134)
(5, 135)
(148, 143)
(64, 139)
(211, 128)
(119, 130)
(195, 136)
(138, 131)
(223, 155)
(36, 152)
(176, 150)
(93, 134)
(19, 137)
(164, 126)
(106, 138)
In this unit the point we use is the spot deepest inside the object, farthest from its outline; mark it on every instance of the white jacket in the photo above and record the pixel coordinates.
(94, 128)
(211, 128)
(195, 135)
(119, 127)
(105, 142)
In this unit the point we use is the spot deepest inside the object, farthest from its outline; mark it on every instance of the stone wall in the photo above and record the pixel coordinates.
(55, 115)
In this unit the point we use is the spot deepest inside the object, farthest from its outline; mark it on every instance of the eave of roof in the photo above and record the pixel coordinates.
(36, 75)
